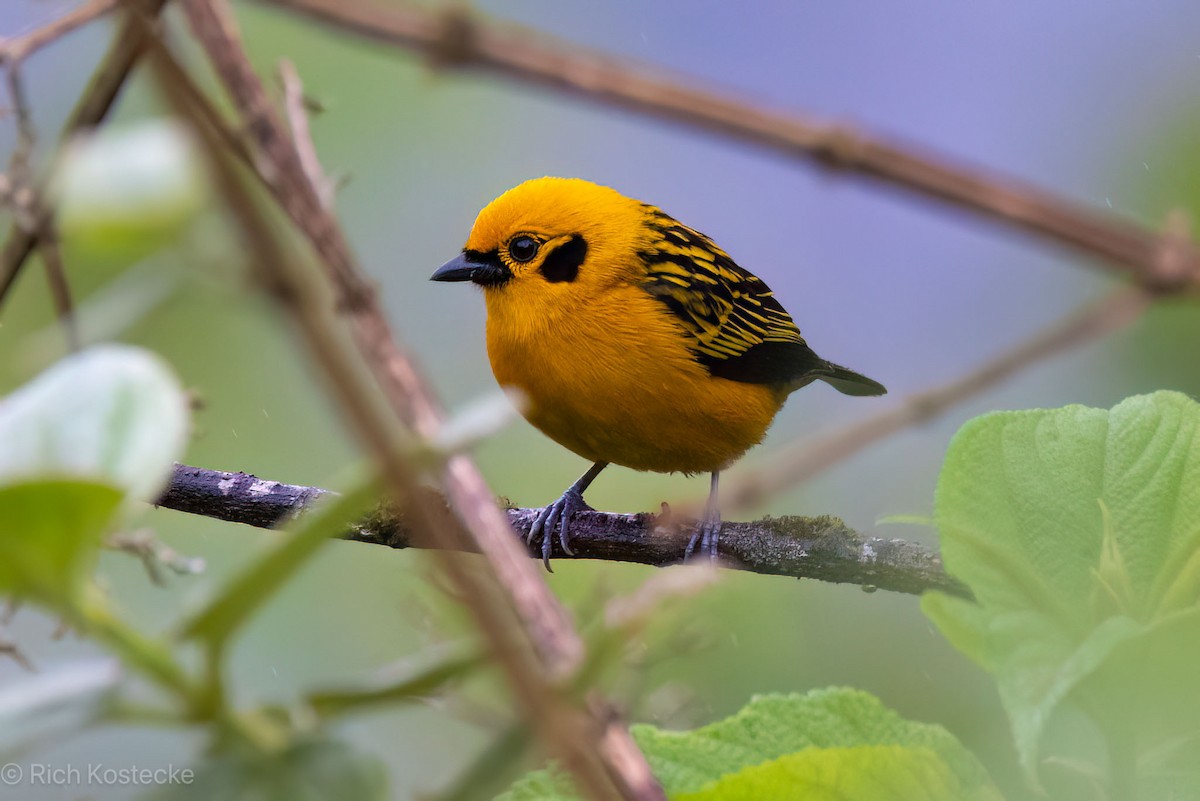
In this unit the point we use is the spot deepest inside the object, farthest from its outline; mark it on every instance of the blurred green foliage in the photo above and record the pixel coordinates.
(98, 430)
(308, 770)
(51, 530)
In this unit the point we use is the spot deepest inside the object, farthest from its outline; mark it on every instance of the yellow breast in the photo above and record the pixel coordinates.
(612, 379)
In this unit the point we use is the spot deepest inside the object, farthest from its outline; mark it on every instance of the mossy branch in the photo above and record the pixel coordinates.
(821, 548)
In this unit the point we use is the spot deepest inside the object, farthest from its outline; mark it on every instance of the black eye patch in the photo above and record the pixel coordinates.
(562, 263)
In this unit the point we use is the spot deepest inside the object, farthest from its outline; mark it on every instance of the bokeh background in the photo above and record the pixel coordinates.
(1097, 100)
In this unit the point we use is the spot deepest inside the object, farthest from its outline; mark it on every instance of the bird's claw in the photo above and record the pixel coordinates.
(557, 514)
(706, 534)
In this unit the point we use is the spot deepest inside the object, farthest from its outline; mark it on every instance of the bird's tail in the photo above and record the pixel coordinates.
(848, 382)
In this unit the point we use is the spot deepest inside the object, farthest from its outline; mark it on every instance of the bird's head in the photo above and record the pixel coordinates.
(551, 242)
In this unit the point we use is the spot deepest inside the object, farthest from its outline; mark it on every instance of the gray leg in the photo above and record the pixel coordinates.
(709, 528)
(559, 514)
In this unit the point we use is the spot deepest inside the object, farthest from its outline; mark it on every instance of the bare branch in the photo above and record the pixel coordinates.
(18, 48)
(456, 38)
(528, 630)
(397, 375)
(10, 649)
(23, 193)
(154, 555)
(803, 460)
(821, 548)
(30, 207)
(293, 103)
(60, 289)
(93, 106)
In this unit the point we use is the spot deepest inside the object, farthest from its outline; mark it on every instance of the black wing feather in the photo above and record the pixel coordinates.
(739, 330)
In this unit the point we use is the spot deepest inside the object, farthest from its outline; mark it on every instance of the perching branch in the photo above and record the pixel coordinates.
(236, 497)
(821, 548)
(1163, 262)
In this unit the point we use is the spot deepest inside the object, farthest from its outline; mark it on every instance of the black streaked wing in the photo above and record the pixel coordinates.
(739, 330)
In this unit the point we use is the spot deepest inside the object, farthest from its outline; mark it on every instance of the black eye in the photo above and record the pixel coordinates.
(523, 248)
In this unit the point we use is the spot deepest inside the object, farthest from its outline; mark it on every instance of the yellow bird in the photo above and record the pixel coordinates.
(635, 339)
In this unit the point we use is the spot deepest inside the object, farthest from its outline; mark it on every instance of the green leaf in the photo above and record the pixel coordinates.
(1144, 699)
(772, 726)
(245, 594)
(798, 744)
(865, 773)
(387, 688)
(50, 532)
(111, 414)
(1078, 531)
(309, 770)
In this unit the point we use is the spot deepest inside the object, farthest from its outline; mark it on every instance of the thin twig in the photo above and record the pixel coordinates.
(154, 555)
(17, 48)
(10, 649)
(456, 38)
(293, 103)
(30, 208)
(24, 195)
(801, 461)
(93, 106)
(60, 289)
(508, 592)
(820, 548)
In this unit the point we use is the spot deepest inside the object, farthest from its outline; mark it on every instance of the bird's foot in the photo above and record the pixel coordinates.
(557, 514)
(705, 536)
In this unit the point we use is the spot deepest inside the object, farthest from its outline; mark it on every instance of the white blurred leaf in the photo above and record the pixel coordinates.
(55, 702)
(113, 414)
(129, 189)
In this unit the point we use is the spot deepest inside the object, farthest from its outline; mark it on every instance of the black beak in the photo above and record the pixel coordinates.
(482, 268)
